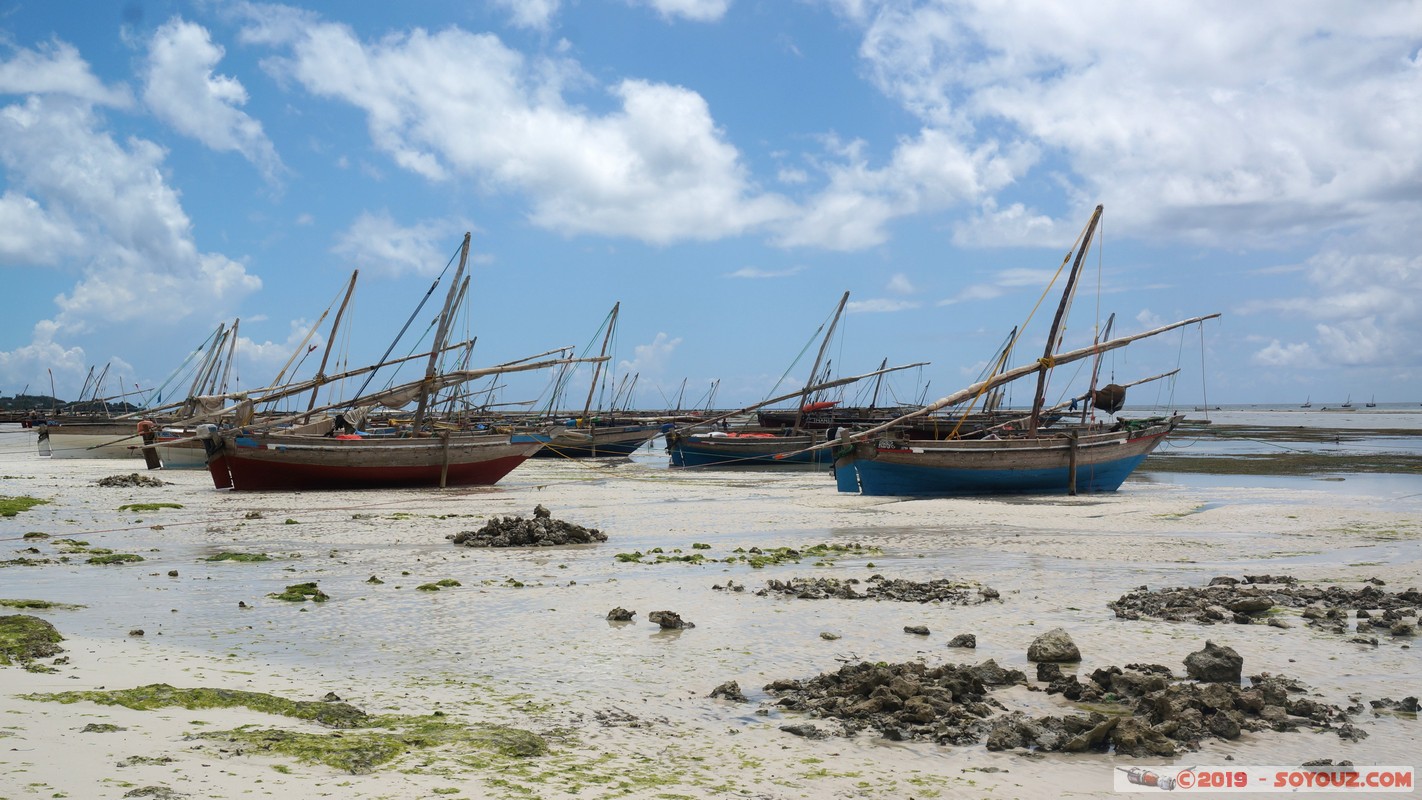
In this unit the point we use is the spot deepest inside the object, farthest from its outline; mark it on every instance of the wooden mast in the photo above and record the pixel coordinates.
(1040, 398)
(231, 356)
(819, 357)
(441, 332)
(326, 355)
(879, 381)
(1096, 367)
(597, 370)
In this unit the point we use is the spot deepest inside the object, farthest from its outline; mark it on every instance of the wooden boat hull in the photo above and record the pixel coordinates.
(270, 462)
(1044, 465)
(603, 442)
(75, 441)
(186, 455)
(705, 450)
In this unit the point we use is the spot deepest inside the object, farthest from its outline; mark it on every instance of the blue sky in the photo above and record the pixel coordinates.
(724, 169)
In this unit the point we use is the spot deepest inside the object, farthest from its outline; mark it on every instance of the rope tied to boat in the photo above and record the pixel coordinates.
(1047, 362)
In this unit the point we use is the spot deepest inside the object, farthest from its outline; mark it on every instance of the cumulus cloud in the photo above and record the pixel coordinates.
(29, 236)
(651, 359)
(532, 14)
(57, 68)
(655, 167)
(181, 89)
(934, 171)
(694, 10)
(375, 241)
(77, 181)
(1249, 124)
(1364, 309)
(1278, 354)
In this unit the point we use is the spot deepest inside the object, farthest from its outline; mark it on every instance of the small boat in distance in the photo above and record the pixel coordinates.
(1347, 403)
(1371, 402)
(1306, 404)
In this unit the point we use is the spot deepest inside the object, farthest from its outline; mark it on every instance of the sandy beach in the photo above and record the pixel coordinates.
(522, 642)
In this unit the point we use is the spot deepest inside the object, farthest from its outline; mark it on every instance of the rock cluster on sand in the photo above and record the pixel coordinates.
(1160, 714)
(877, 587)
(541, 531)
(1249, 600)
(669, 620)
(946, 704)
(131, 479)
(1215, 664)
(620, 614)
(730, 690)
(1054, 646)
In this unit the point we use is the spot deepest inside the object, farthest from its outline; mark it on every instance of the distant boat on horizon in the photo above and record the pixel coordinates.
(1371, 403)
(1306, 404)
(1347, 403)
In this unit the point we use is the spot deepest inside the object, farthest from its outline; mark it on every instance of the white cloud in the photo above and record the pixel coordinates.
(694, 10)
(793, 177)
(1014, 226)
(1251, 123)
(57, 68)
(138, 243)
(932, 172)
(29, 236)
(878, 306)
(1003, 282)
(1364, 308)
(533, 14)
(265, 359)
(900, 284)
(378, 243)
(181, 89)
(754, 272)
(1277, 354)
(651, 359)
(655, 168)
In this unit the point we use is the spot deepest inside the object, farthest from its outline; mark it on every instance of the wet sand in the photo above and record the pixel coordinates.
(523, 641)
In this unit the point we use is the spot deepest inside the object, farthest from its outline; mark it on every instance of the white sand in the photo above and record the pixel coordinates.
(625, 706)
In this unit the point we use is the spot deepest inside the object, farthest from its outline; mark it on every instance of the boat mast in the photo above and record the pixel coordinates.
(597, 370)
(231, 356)
(819, 357)
(879, 381)
(441, 333)
(1040, 398)
(326, 355)
(1105, 333)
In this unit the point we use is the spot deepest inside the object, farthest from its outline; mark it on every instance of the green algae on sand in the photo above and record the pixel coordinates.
(114, 558)
(24, 638)
(360, 744)
(240, 557)
(37, 605)
(301, 592)
(10, 506)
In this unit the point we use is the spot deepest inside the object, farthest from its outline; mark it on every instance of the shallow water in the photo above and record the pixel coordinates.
(1405, 491)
